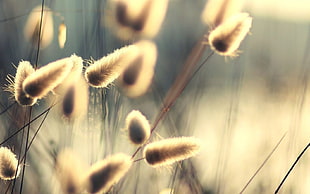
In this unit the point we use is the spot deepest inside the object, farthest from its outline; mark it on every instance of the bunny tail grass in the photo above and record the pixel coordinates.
(24, 69)
(168, 151)
(42, 81)
(104, 71)
(9, 167)
(138, 127)
(226, 38)
(107, 172)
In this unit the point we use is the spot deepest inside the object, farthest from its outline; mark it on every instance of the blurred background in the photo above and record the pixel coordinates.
(239, 107)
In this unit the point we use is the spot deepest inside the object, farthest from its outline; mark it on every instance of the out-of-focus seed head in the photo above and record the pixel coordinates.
(32, 27)
(138, 74)
(105, 173)
(137, 18)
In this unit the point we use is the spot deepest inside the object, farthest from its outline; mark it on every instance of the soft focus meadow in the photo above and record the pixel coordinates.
(219, 89)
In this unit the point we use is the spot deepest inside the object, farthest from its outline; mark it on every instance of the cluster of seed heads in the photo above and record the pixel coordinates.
(132, 69)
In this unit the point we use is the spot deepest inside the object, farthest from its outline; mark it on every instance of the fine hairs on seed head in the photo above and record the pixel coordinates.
(105, 70)
(43, 80)
(168, 151)
(15, 85)
(227, 37)
(9, 168)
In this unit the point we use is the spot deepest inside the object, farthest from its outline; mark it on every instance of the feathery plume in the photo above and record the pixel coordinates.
(171, 150)
(72, 77)
(138, 74)
(62, 35)
(217, 11)
(70, 172)
(24, 69)
(138, 127)
(75, 100)
(226, 38)
(38, 84)
(32, 27)
(137, 17)
(107, 172)
(104, 71)
(8, 164)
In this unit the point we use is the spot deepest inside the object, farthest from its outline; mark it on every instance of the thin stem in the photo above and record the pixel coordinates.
(27, 139)
(7, 108)
(36, 133)
(263, 164)
(34, 119)
(40, 33)
(289, 171)
(180, 83)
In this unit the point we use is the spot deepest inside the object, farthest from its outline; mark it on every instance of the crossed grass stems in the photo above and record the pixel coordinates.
(190, 68)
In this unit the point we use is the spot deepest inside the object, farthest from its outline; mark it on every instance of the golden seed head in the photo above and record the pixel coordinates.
(227, 37)
(9, 167)
(138, 127)
(107, 172)
(42, 81)
(168, 151)
(105, 70)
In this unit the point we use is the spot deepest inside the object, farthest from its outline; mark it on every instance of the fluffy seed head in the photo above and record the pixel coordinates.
(42, 81)
(217, 11)
(32, 27)
(226, 38)
(62, 35)
(104, 71)
(170, 150)
(70, 172)
(137, 18)
(138, 127)
(24, 69)
(138, 74)
(105, 173)
(75, 99)
(72, 77)
(8, 164)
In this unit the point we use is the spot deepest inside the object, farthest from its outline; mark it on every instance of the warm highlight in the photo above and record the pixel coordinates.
(168, 151)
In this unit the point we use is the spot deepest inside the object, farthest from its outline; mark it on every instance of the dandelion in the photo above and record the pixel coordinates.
(42, 81)
(137, 17)
(226, 38)
(168, 151)
(138, 127)
(104, 71)
(32, 27)
(75, 100)
(217, 11)
(24, 69)
(70, 172)
(138, 74)
(62, 35)
(107, 172)
(9, 168)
